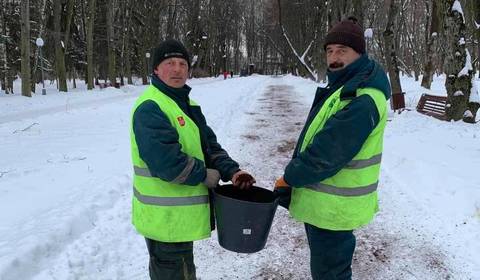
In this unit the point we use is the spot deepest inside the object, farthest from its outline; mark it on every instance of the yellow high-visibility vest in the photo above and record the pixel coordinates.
(348, 199)
(162, 210)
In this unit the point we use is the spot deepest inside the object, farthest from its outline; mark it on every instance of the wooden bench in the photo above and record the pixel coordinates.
(432, 105)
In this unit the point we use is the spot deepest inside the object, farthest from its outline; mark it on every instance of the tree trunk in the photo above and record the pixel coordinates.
(144, 66)
(474, 106)
(3, 49)
(390, 50)
(358, 11)
(172, 18)
(336, 12)
(458, 67)
(127, 68)
(90, 22)
(128, 64)
(194, 37)
(25, 48)
(250, 33)
(59, 46)
(68, 24)
(431, 45)
(111, 42)
(477, 30)
(74, 78)
(36, 57)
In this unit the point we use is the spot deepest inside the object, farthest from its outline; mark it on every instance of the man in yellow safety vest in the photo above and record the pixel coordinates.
(333, 176)
(177, 161)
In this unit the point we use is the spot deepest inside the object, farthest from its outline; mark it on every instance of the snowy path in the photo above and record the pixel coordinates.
(65, 188)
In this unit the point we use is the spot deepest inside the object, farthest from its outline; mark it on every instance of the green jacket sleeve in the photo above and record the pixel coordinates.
(159, 147)
(335, 145)
(218, 158)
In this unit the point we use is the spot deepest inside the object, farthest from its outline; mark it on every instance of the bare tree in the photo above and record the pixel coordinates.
(172, 19)
(90, 23)
(458, 67)
(111, 41)
(337, 10)
(391, 51)
(476, 18)
(358, 11)
(125, 66)
(127, 40)
(40, 32)
(59, 46)
(3, 48)
(25, 48)
(432, 37)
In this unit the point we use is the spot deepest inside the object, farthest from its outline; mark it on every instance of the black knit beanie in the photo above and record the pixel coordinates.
(167, 49)
(347, 32)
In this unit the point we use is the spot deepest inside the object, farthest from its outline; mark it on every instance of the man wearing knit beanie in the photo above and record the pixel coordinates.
(348, 33)
(331, 182)
(177, 161)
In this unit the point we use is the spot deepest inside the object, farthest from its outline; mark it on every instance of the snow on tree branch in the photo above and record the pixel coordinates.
(300, 58)
(474, 96)
(477, 26)
(457, 7)
(468, 65)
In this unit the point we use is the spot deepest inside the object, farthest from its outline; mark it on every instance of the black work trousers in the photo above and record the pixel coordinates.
(171, 261)
(331, 253)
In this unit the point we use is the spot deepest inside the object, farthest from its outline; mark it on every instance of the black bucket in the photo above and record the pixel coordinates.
(244, 217)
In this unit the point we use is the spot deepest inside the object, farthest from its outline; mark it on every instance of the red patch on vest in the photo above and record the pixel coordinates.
(181, 121)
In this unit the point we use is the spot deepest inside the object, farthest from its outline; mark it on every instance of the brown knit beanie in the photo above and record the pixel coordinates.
(347, 32)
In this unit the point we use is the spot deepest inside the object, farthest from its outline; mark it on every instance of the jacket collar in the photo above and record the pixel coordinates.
(362, 73)
(340, 77)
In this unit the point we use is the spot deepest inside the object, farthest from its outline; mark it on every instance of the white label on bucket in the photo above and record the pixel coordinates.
(247, 231)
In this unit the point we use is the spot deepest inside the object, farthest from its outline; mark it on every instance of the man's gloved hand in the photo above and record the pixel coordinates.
(243, 180)
(283, 191)
(280, 183)
(212, 179)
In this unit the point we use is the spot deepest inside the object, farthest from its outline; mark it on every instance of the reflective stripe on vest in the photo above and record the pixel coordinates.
(139, 171)
(362, 163)
(357, 191)
(170, 201)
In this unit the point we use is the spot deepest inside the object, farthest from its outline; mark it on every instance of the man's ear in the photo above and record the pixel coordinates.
(155, 70)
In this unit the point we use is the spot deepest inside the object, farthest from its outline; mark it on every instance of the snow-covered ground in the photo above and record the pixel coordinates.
(65, 185)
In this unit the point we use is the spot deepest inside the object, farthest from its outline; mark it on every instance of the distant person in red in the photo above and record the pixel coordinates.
(225, 74)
